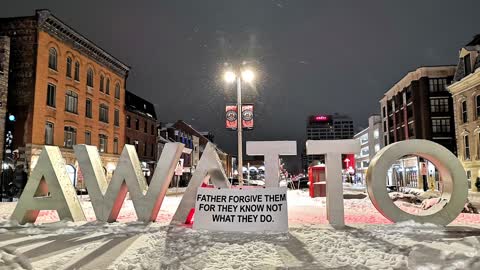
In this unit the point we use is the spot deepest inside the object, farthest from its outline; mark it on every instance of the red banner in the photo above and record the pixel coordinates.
(247, 116)
(231, 117)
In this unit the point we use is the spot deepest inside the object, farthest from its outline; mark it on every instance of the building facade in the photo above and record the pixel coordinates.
(326, 127)
(141, 131)
(371, 141)
(418, 106)
(466, 96)
(63, 90)
(4, 67)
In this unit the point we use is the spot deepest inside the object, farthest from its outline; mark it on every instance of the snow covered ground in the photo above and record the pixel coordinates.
(369, 242)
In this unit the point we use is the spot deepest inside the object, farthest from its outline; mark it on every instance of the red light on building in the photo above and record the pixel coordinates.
(321, 118)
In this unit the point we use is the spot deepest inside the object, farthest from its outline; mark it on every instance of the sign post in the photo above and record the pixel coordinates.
(178, 174)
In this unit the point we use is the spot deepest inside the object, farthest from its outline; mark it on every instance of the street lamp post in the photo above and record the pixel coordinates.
(245, 75)
(239, 131)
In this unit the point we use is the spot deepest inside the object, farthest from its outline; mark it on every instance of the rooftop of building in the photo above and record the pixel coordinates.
(414, 75)
(139, 105)
(47, 21)
(475, 41)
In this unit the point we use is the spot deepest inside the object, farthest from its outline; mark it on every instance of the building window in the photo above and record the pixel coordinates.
(137, 124)
(152, 150)
(145, 127)
(464, 111)
(107, 87)
(466, 145)
(102, 79)
(71, 102)
(69, 67)
(103, 142)
(116, 118)
(477, 101)
(51, 93)
(128, 140)
(364, 151)
(128, 121)
(437, 85)
(468, 65)
(90, 77)
(49, 133)
(145, 149)
(88, 137)
(441, 125)
(77, 71)
(439, 105)
(88, 108)
(117, 91)
(103, 116)
(153, 130)
(52, 59)
(384, 111)
(115, 145)
(70, 136)
(377, 147)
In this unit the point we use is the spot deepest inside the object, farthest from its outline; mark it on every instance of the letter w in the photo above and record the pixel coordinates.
(107, 199)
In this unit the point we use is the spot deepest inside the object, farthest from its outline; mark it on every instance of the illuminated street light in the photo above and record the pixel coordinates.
(248, 75)
(229, 76)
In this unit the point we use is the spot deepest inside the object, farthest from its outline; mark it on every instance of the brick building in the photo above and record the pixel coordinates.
(141, 130)
(4, 66)
(63, 90)
(466, 102)
(418, 106)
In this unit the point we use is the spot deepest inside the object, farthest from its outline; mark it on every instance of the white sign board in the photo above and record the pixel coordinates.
(256, 209)
(179, 168)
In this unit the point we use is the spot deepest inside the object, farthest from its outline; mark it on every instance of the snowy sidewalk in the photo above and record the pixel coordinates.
(309, 244)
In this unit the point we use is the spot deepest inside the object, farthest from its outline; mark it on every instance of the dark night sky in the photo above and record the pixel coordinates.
(313, 56)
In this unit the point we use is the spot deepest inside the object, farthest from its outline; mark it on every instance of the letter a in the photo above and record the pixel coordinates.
(209, 166)
(48, 188)
(107, 199)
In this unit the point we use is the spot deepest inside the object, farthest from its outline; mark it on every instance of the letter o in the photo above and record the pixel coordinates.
(453, 175)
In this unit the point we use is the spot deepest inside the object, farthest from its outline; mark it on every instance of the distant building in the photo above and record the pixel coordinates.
(466, 96)
(327, 127)
(63, 90)
(418, 106)
(141, 130)
(371, 141)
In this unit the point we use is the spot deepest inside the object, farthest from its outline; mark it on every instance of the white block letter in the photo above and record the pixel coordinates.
(333, 150)
(272, 150)
(209, 167)
(455, 188)
(107, 199)
(49, 188)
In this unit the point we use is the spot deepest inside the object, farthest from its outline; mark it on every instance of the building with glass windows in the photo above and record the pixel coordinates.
(371, 141)
(465, 90)
(419, 106)
(63, 90)
(326, 127)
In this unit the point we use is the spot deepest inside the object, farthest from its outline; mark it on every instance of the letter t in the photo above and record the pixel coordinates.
(333, 150)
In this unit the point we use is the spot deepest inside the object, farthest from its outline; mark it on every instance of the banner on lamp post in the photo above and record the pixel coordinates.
(231, 117)
(247, 116)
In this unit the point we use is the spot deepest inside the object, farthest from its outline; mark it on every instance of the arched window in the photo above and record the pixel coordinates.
(69, 67)
(52, 59)
(107, 87)
(117, 91)
(101, 82)
(90, 77)
(70, 136)
(77, 71)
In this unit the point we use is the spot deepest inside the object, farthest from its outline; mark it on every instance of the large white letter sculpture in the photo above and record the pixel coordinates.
(333, 150)
(209, 167)
(272, 150)
(455, 188)
(107, 199)
(48, 188)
